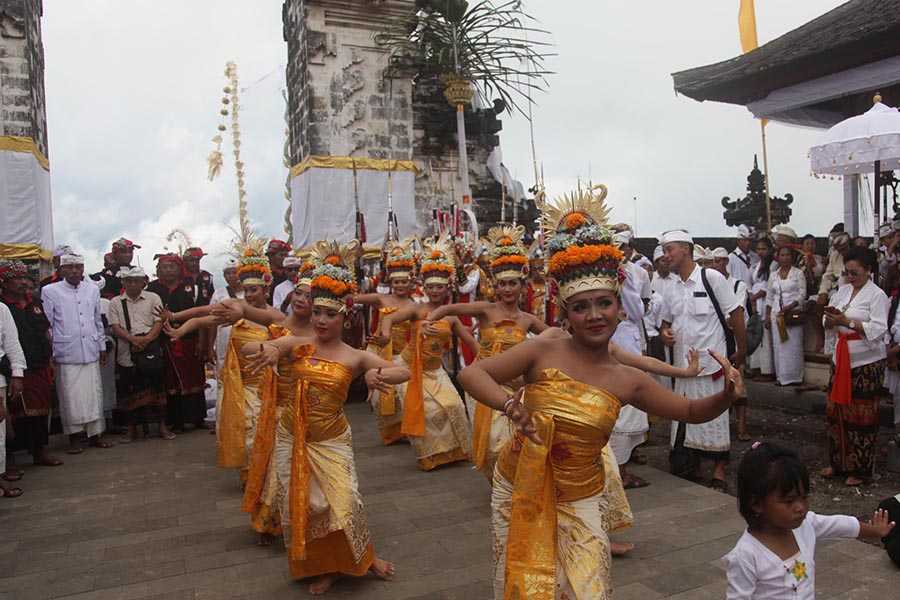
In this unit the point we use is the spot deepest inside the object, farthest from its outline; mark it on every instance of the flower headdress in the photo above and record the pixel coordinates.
(12, 269)
(438, 261)
(333, 280)
(580, 247)
(400, 258)
(307, 265)
(253, 266)
(508, 257)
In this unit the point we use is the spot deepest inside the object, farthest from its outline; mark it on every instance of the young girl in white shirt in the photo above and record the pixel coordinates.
(775, 558)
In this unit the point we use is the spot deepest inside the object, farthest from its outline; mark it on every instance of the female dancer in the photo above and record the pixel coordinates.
(434, 417)
(400, 264)
(548, 505)
(324, 523)
(501, 325)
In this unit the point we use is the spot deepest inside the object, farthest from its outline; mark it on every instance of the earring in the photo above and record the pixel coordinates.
(346, 324)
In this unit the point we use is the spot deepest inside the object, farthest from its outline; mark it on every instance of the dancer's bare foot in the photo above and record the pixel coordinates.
(322, 584)
(620, 548)
(382, 569)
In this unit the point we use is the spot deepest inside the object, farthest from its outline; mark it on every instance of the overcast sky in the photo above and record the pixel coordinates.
(133, 93)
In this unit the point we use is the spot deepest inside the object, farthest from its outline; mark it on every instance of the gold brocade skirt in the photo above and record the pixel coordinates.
(388, 407)
(499, 432)
(447, 437)
(582, 540)
(227, 433)
(337, 534)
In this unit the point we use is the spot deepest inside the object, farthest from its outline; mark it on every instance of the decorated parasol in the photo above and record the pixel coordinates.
(866, 143)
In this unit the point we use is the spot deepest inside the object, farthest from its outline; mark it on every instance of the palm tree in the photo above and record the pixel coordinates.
(485, 46)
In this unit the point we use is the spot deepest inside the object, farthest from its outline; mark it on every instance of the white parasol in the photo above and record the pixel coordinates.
(866, 143)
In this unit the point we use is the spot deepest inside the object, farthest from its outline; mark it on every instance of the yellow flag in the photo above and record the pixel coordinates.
(747, 26)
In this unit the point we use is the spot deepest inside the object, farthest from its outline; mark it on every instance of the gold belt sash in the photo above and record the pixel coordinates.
(263, 443)
(414, 402)
(300, 475)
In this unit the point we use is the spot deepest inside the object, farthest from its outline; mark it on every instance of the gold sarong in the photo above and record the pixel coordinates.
(388, 406)
(323, 518)
(490, 428)
(551, 521)
(434, 417)
(241, 399)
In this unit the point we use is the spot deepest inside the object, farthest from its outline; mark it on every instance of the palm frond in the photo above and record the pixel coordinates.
(495, 45)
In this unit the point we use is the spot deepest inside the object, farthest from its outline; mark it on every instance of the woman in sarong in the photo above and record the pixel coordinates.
(400, 266)
(855, 325)
(501, 325)
(434, 418)
(550, 510)
(322, 512)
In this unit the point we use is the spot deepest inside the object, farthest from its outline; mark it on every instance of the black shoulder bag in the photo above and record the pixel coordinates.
(729, 335)
(149, 361)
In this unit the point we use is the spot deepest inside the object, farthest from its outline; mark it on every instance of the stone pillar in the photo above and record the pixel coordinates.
(25, 210)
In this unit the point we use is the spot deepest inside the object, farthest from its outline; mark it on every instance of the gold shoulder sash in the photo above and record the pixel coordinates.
(414, 402)
(230, 447)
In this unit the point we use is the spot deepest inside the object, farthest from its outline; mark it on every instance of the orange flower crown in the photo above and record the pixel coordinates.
(400, 258)
(254, 269)
(508, 257)
(582, 256)
(438, 262)
(333, 280)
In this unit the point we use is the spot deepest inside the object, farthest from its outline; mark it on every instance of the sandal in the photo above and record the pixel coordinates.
(719, 485)
(12, 492)
(74, 450)
(101, 444)
(12, 475)
(633, 482)
(168, 436)
(744, 437)
(853, 481)
(47, 461)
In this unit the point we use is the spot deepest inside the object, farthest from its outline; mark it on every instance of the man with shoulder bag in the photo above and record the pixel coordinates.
(139, 355)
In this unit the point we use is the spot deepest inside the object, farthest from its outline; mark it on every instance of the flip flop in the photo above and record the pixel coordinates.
(48, 462)
(744, 437)
(633, 482)
(13, 492)
(74, 450)
(101, 445)
(168, 436)
(12, 475)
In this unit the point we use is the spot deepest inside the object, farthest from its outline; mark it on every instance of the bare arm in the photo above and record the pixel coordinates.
(537, 326)
(739, 327)
(483, 378)
(460, 309)
(649, 364)
(407, 313)
(373, 299)
(390, 373)
(190, 325)
(653, 398)
(263, 316)
(191, 313)
(121, 333)
(465, 335)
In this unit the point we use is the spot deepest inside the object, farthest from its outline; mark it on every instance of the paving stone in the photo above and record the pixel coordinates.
(157, 520)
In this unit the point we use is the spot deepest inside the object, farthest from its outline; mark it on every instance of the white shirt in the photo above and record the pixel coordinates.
(694, 321)
(870, 308)
(223, 333)
(757, 573)
(782, 292)
(10, 346)
(741, 266)
(740, 293)
(142, 316)
(75, 323)
(760, 283)
(281, 292)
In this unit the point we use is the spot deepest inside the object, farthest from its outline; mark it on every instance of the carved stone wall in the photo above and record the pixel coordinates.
(341, 105)
(22, 103)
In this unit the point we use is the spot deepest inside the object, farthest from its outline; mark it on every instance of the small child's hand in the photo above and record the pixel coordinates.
(879, 526)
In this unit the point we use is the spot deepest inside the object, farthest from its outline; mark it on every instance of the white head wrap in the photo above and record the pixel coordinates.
(700, 253)
(785, 231)
(622, 238)
(719, 252)
(291, 262)
(135, 272)
(230, 263)
(657, 253)
(744, 232)
(62, 250)
(675, 235)
(885, 230)
(71, 259)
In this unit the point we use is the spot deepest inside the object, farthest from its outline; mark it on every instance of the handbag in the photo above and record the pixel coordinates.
(149, 361)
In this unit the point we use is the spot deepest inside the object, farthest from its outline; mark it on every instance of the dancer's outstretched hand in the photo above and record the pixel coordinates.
(265, 355)
(732, 375)
(520, 416)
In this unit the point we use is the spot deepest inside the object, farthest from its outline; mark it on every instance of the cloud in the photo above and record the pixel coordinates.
(133, 92)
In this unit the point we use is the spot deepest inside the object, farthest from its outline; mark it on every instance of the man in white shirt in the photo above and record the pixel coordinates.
(632, 425)
(283, 291)
(721, 261)
(11, 349)
(141, 394)
(742, 260)
(690, 320)
(79, 348)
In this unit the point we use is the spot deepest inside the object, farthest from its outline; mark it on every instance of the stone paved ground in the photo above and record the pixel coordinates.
(157, 520)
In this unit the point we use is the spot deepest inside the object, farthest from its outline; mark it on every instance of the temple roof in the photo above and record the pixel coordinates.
(856, 33)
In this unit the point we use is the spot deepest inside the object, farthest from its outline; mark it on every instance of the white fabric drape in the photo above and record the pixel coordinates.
(323, 206)
(26, 217)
